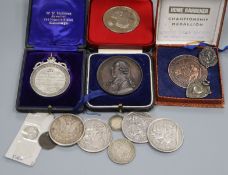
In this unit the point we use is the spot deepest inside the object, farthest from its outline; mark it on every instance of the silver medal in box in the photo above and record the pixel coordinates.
(50, 78)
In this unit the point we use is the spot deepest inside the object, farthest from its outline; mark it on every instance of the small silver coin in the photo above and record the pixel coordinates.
(66, 130)
(115, 122)
(165, 135)
(50, 78)
(121, 19)
(30, 132)
(208, 57)
(121, 151)
(45, 141)
(198, 89)
(97, 137)
(134, 126)
(186, 69)
(119, 75)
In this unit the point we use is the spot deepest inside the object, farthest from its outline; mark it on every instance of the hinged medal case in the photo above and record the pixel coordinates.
(55, 27)
(178, 24)
(133, 45)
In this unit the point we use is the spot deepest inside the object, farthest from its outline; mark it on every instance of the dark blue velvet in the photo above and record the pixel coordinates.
(44, 36)
(166, 88)
(141, 97)
(29, 99)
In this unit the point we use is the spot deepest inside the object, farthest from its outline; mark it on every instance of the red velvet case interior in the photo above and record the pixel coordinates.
(99, 35)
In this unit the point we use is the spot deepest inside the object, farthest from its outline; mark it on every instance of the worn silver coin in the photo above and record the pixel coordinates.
(186, 69)
(134, 126)
(121, 151)
(45, 141)
(115, 122)
(66, 130)
(208, 57)
(97, 137)
(119, 75)
(121, 19)
(198, 89)
(50, 78)
(165, 135)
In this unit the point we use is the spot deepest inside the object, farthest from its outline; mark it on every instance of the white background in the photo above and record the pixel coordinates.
(205, 148)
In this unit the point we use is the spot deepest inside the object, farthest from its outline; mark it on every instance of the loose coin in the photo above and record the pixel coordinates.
(121, 151)
(134, 126)
(119, 75)
(121, 19)
(50, 79)
(165, 135)
(45, 141)
(97, 137)
(198, 89)
(115, 122)
(66, 130)
(208, 57)
(186, 69)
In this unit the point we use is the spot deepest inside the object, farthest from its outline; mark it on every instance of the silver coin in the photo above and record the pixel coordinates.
(208, 57)
(121, 19)
(186, 69)
(134, 126)
(121, 151)
(97, 137)
(66, 130)
(198, 89)
(165, 135)
(30, 132)
(119, 75)
(115, 122)
(50, 79)
(45, 141)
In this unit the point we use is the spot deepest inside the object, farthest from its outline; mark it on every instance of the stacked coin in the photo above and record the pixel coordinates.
(190, 72)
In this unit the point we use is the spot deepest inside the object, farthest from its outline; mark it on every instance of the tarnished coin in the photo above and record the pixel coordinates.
(121, 19)
(186, 69)
(119, 75)
(45, 141)
(198, 89)
(115, 122)
(50, 79)
(66, 130)
(134, 126)
(121, 151)
(165, 135)
(97, 137)
(208, 57)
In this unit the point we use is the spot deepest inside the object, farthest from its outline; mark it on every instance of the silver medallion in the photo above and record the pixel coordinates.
(134, 126)
(121, 151)
(121, 19)
(165, 135)
(97, 137)
(50, 78)
(198, 89)
(115, 122)
(208, 57)
(119, 75)
(186, 69)
(66, 130)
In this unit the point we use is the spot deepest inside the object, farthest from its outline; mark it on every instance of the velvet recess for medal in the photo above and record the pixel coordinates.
(100, 35)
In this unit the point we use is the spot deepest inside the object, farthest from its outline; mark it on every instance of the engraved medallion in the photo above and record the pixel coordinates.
(115, 122)
(198, 89)
(186, 69)
(165, 135)
(119, 75)
(121, 19)
(66, 130)
(134, 126)
(50, 78)
(45, 141)
(97, 137)
(208, 57)
(121, 151)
